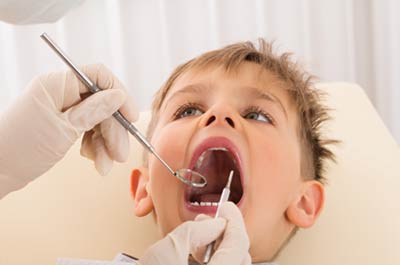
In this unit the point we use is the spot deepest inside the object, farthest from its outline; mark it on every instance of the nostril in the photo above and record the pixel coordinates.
(227, 119)
(210, 120)
(230, 122)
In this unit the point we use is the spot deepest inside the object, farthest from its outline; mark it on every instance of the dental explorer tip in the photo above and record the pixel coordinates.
(228, 185)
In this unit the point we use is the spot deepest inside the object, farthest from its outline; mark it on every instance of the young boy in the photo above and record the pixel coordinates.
(240, 108)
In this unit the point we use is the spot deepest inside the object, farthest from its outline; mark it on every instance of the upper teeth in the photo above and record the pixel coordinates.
(204, 203)
(201, 158)
(217, 149)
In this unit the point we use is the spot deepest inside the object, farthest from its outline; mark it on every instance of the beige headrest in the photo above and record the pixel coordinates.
(71, 211)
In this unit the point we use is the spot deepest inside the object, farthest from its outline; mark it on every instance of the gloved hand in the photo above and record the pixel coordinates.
(192, 237)
(53, 112)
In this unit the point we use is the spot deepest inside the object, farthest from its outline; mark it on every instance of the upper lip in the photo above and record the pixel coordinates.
(218, 141)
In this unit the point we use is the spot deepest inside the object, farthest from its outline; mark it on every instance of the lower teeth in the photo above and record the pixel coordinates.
(204, 203)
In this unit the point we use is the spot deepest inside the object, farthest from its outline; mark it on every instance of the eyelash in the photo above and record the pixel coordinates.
(177, 114)
(259, 110)
(185, 107)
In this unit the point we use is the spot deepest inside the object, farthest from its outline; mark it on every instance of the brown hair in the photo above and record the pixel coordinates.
(311, 112)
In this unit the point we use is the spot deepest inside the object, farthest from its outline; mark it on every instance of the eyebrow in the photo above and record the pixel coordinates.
(262, 94)
(255, 92)
(189, 89)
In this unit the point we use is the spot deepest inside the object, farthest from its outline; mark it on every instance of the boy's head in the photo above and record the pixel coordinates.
(245, 109)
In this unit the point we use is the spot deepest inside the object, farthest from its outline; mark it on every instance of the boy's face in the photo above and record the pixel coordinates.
(249, 117)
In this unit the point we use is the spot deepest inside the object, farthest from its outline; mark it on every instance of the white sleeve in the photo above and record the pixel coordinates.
(34, 11)
(9, 184)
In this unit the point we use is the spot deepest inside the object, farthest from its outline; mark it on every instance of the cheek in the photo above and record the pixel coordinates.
(275, 169)
(273, 178)
(172, 152)
(170, 142)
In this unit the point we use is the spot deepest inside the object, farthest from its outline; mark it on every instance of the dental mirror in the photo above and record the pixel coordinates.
(186, 175)
(191, 177)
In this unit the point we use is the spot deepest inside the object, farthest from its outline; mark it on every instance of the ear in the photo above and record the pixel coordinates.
(140, 191)
(306, 207)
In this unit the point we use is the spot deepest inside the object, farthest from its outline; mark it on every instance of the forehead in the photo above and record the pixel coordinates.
(247, 74)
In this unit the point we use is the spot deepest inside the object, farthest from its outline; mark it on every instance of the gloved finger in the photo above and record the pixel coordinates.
(102, 161)
(87, 149)
(234, 246)
(198, 233)
(129, 109)
(247, 259)
(65, 90)
(94, 109)
(93, 148)
(105, 79)
(202, 217)
(116, 139)
(198, 254)
(236, 229)
(175, 247)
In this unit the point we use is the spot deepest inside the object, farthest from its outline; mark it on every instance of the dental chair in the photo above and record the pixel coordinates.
(73, 212)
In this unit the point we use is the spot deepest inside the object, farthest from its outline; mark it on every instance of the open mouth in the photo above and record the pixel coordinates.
(215, 164)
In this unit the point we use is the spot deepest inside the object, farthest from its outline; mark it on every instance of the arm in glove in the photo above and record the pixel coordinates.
(34, 12)
(192, 237)
(54, 111)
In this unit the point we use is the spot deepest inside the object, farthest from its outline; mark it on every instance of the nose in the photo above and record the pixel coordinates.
(220, 116)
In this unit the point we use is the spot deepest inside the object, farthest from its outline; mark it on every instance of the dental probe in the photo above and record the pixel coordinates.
(224, 197)
(93, 88)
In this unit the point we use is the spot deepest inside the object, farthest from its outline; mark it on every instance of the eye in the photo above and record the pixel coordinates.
(188, 109)
(190, 112)
(255, 113)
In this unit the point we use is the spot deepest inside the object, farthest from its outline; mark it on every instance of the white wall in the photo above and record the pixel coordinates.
(142, 41)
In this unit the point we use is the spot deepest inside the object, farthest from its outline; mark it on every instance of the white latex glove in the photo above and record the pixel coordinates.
(44, 122)
(32, 11)
(192, 237)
